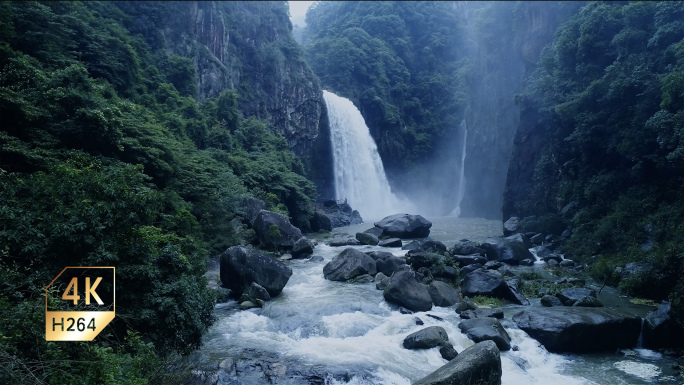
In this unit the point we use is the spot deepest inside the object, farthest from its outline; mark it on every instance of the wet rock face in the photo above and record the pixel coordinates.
(349, 264)
(479, 364)
(240, 266)
(486, 329)
(579, 329)
(405, 226)
(404, 290)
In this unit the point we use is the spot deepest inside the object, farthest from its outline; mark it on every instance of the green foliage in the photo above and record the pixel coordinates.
(481, 300)
(398, 62)
(107, 159)
(608, 97)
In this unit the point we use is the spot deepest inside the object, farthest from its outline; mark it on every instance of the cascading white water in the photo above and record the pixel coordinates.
(359, 175)
(460, 180)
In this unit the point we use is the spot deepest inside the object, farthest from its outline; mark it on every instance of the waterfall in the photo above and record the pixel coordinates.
(359, 175)
(460, 178)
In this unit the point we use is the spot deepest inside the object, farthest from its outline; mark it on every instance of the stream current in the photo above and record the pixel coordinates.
(320, 331)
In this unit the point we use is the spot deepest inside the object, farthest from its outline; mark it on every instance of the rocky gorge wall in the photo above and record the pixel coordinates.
(248, 47)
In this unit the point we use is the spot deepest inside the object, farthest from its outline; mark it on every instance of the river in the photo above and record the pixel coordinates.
(319, 331)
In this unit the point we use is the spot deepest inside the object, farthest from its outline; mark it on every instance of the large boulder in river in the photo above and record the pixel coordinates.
(466, 247)
(275, 230)
(488, 283)
(367, 239)
(303, 248)
(251, 207)
(426, 338)
(341, 214)
(389, 264)
(404, 290)
(661, 329)
(405, 226)
(486, 329)
(569, 296)
(443, 294)
(349, 264)
(579, 329)
(480, 364)
(240, 266)
(320, 221)
(511, 226)
(506, 250)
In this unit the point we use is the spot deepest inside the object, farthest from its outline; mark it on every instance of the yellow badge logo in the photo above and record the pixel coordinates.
(79, 303)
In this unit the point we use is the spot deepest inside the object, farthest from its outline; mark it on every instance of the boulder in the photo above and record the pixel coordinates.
(588, 301)
(420, 258)
(469, 269)
(579, 329)
(389, 265)
(431, 246)
(341, 214)
(275, 230)
(506, 251)
(349, 264)
(251, 207)
(661, 329)
(483, 312)
(303, 248)
(382, 281)
(511, 226)
(542, 252)
(480, 364)
(427, 338)
(367, 239)
(443, 294)
(521, 238)
(525, 262)
(390, 242)
(256, 291)
(550, 301)
(488, 283)
(466, 247)
(537, 239)
(380, 255)
(374, 231)
(404, 290)
(447, 351)
(240, 266)
(569, 296)
(567, 263)
(405, 226)
(465, 305)
(486, 329)
(465, 260)
(494, 265)
(320, 221)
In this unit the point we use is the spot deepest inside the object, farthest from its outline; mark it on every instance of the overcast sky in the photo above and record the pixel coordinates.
(298, 11)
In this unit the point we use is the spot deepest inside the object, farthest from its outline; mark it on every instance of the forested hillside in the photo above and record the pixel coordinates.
(600, 143)
(113, 152)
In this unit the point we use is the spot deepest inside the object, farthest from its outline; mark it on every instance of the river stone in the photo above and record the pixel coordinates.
(483, 312)
(488, 283)
(483, 329)
(404, 290)
(443, 294)
(430, 245)
(511, 226)
(390, 242)
(466, 247)
(579, 329)
(567, 263)
(256, 291)
(550, 301)
(367, 239)
(285, 237)
(247, 305)
(568, 297)
(405, 226)
(389, 265)
(469, 269)
(661, 329)
(467, 260)
(494, 265)
(588, 301)
(374, 231)
(447, 351)
(380, 255)
(240, 266)
(365, 278)
(382, 281)
(419, 258)
(466, 304)
(506, 251)
(319, 221)
(303, 248)
(480, 364)
(349, 264)
(537, 239)
(521, 238)
(426, 338)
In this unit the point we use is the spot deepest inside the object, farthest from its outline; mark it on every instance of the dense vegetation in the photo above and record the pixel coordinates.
(108, 159)
(608, 103)
(400, 63)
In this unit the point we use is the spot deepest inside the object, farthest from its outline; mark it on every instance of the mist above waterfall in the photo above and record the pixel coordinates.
(359, 174)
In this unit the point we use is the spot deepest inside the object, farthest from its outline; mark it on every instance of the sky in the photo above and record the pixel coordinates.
(298, 11)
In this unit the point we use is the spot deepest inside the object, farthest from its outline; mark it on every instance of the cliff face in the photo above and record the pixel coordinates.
(505, 51)
(248, 46)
